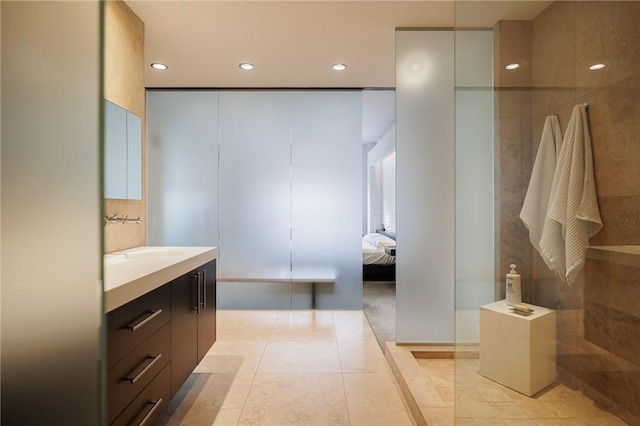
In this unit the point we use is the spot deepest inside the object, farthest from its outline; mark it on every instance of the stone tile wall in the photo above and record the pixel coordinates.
(124, 86)
(598, 316)
(512, 44)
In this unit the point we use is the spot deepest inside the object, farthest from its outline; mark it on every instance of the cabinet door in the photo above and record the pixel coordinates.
(207, 317)
(184, 329)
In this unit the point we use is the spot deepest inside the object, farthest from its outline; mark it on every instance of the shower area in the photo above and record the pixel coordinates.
(583, 333)
(519, 68)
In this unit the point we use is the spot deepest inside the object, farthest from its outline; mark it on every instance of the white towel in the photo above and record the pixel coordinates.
(573, 215)
(534, 209)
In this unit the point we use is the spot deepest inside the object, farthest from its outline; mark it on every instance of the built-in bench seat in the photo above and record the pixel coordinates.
(313, 279)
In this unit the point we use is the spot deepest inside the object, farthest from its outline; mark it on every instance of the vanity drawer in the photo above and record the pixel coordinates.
(134, 322)
(129, 376)
(147, 406)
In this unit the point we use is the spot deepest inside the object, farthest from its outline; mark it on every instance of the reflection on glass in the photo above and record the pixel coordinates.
(581, 331)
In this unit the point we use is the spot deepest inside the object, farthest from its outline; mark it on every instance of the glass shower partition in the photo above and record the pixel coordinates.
(474, 186)
(575, 358)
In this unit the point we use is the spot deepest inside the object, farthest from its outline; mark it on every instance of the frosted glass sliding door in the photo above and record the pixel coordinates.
(326, 196)
(425, 186)
(182, 168)
(273, 178)
(255, 205)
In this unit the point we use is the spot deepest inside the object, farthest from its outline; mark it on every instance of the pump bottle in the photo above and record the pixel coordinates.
(514, 290)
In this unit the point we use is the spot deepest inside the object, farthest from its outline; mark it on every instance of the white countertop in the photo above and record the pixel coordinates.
(129, 274)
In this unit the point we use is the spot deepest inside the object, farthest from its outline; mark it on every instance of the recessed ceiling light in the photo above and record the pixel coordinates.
(511, 66)
(596, 67)
(246, 66)
(339, 67)
(159, 66)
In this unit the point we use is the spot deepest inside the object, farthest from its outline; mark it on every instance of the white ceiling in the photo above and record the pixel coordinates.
(293, 43)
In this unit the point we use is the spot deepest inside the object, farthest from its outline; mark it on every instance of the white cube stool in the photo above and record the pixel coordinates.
(518, 351)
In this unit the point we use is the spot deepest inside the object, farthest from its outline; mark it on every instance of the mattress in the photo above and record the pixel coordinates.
(375, 255)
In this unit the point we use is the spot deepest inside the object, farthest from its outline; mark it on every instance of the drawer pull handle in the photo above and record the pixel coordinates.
(146, 418)
(148, 316)
(137, 377)
(204, 289)
(198, 294)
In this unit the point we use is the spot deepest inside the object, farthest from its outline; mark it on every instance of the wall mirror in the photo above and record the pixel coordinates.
(123, 153)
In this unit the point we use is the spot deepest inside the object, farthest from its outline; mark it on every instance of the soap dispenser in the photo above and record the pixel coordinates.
(514, 290)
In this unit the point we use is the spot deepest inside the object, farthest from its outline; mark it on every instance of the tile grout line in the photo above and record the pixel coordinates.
(246, 398)
(349, 410)
(344, 388)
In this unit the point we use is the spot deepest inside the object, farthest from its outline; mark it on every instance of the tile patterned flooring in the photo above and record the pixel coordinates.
(480, 401)
(291, 368)
(326, 368)
(447, 392)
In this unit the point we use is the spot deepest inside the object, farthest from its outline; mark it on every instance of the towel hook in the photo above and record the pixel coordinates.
(585, 105)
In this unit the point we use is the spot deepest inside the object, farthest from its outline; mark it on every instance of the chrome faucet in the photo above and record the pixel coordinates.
(117, 219)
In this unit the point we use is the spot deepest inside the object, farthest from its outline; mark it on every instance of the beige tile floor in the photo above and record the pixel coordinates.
(291, 368)
(486, 402)
(480, 401)
(446, 392)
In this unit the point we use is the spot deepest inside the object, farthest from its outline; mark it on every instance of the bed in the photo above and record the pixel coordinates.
(377, 262)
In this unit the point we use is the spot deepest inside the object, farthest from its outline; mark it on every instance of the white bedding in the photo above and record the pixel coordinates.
(373, 250)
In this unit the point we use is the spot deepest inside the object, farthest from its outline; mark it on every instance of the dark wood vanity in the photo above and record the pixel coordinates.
(155, 341)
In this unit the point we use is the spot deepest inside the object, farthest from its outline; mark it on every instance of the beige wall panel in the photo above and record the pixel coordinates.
(124, 85)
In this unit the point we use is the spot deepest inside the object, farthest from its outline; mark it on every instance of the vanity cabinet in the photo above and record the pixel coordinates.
(193, 323)
(155, 341)
(138, 350)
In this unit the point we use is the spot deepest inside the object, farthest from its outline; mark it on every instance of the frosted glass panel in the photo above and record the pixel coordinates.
(425, 186)
(182, 167)
(474, 209)
(474, 181)
(51, 207)
(255, 186)
(326, 196)
(254, 294)
(274, 153)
